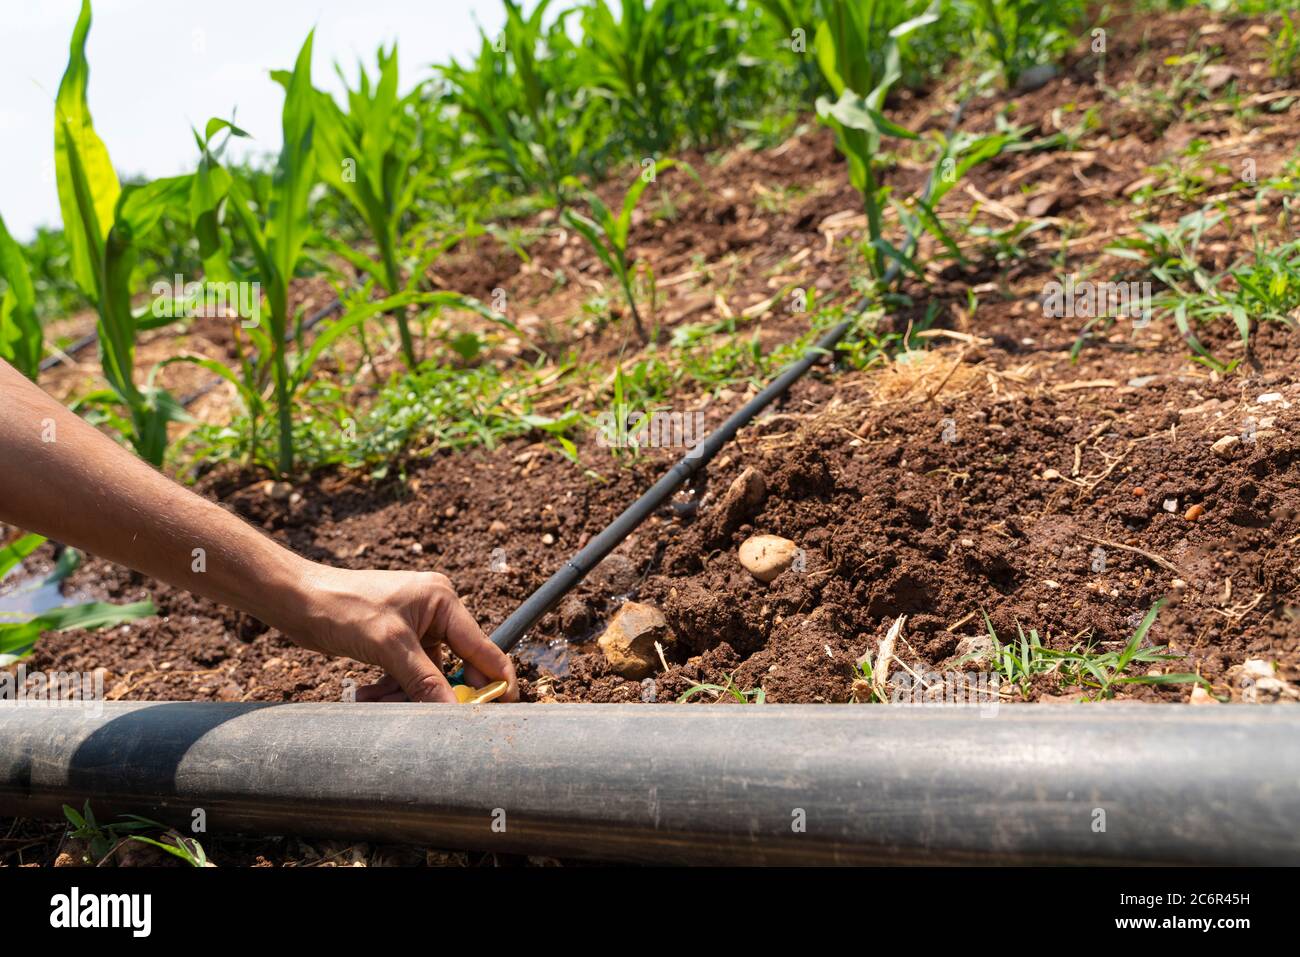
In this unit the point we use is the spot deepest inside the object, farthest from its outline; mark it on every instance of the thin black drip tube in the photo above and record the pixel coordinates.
(575, 569)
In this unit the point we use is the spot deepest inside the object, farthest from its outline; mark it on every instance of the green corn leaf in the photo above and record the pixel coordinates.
(87, 183)
(16, 551)
(17, 638)
(247, 392)
(592, 233)
(21, 337)
(287, 225)
(209, 189)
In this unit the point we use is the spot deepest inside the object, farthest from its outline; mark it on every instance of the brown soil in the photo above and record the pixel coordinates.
(980, 476)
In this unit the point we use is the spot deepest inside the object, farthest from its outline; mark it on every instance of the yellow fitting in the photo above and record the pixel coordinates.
(467, 695)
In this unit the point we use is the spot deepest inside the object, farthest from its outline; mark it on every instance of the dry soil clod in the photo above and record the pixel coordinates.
(1226, 447)
(628, 642)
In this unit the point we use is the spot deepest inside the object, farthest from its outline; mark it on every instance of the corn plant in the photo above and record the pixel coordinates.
(276, 229)
(103, 223)
(795, 18)
(661, 62)
(18, 633)
(607, 234)
(277, 241)
(1025, 33)
(857, 47)
(369, 155)
(1284, 57)
(47, 258)
(955, 156)
(532, 114)
(630, 60)
(21, 340)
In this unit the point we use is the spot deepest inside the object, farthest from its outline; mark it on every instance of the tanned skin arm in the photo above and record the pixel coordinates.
(62, 478)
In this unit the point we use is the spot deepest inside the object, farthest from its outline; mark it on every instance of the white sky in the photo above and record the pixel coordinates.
(158, 67)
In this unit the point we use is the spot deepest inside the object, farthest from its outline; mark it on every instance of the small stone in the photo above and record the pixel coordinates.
(1051, 474)
(628, 642)
(1218, 75)
(1257, 668)
(749, 488)
(417, 548)
(449, 511)
(1201, 696)
(767, 556)
(548, 539)
(1139, 491)
(1269, 397)
(497, 527)
(1226, 446)
(737, 505)
(277, 491)
(1178, 584)
(972, 648)
(1195, 512)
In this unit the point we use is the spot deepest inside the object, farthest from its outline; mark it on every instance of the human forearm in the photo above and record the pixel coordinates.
(61, 477)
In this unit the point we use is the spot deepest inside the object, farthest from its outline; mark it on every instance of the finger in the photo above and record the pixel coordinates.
(380, 690)
(466, 638)
(417, 674)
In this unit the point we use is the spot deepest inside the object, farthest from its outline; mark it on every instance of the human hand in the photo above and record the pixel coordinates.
(398, 621)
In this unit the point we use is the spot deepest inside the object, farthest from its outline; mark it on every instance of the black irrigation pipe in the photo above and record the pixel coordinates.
(50, 361)
(769, 784)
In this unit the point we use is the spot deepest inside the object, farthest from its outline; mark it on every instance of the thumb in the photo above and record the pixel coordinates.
(418, 675)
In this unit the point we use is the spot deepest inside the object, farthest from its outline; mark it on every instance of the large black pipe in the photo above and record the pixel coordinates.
(866, 784)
